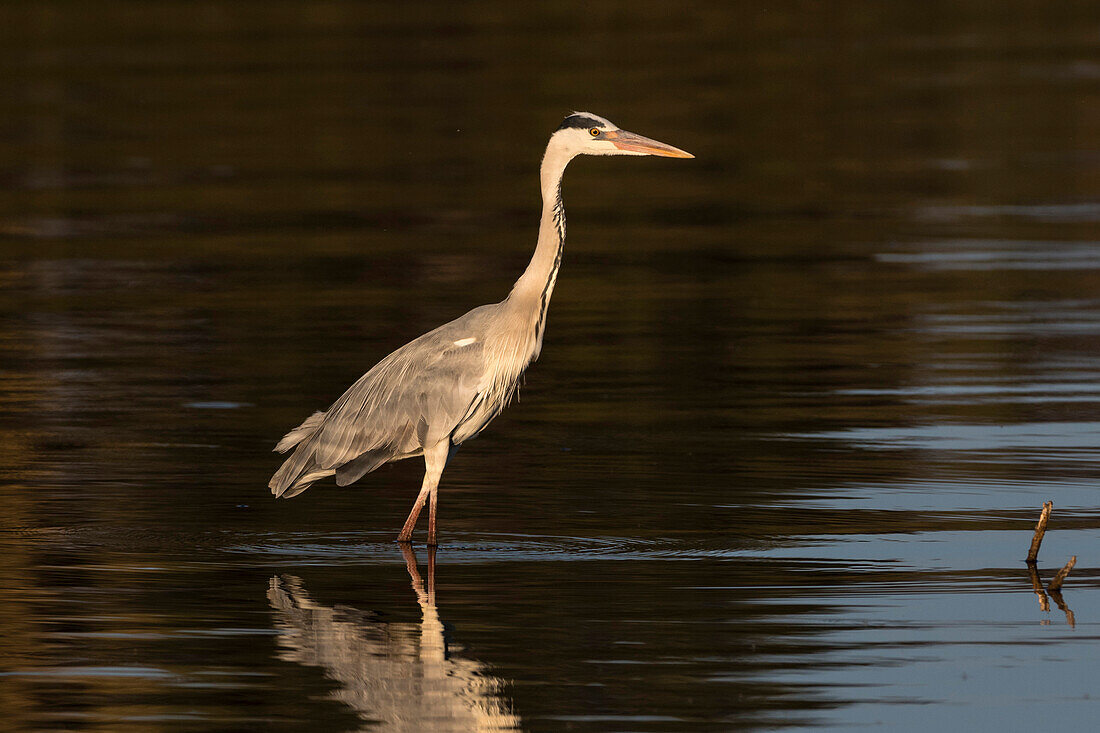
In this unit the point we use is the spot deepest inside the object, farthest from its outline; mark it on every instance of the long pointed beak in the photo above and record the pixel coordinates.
(624, 140)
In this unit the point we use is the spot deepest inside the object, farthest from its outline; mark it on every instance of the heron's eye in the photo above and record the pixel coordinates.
(595, 132)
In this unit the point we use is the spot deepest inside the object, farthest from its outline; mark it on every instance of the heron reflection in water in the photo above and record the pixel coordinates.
(443, 388)
(398, 676)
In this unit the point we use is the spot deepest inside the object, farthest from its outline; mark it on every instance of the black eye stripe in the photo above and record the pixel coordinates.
(579, 121)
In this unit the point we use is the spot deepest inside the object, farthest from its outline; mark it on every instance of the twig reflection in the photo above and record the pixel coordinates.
(1061, 603)
(1044, 600)
(397, 676)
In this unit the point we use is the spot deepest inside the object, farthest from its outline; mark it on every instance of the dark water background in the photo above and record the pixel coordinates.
(799, 404)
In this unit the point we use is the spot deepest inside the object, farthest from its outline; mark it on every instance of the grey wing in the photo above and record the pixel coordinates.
(413, 398)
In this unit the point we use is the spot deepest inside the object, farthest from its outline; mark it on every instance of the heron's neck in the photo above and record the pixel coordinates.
(532, 291)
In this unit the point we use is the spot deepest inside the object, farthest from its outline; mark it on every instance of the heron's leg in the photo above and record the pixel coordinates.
(435, 458)
(410, 523)
(434, 497)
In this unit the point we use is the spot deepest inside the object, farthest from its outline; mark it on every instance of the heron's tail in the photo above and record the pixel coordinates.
(297, 474)
(300, 433)
(300, 470)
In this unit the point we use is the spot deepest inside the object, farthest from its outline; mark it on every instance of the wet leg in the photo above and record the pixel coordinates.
(434, 497)
(435, 458)
(410, 523)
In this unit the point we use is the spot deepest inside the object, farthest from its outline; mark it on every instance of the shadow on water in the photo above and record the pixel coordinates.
(396, 676)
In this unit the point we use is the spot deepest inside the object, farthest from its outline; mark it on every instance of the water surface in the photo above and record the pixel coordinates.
(800, 401)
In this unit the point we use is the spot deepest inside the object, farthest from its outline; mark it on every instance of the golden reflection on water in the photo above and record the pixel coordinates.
(396, 676)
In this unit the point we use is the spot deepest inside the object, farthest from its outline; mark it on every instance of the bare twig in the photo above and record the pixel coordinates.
(1040, 530)
(1056, 583)
(1037, 586)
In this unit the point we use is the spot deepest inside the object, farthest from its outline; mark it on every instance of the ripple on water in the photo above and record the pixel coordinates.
(1065, 213)
(997, 254)
(988, 392)
(1039, 439)
(313, 548)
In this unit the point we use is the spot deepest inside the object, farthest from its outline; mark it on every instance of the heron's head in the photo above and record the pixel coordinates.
(583, 133)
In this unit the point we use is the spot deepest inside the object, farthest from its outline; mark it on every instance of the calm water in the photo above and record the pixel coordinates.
(800, 401)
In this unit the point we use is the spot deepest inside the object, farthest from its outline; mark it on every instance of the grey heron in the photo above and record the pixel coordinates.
(442, 389)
